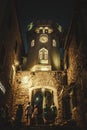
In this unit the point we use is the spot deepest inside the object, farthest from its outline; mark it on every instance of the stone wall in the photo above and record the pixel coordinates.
(10, 46)
(22, 89)
(76, 69)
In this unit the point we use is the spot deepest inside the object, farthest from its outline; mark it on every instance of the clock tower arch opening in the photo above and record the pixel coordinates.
(42, 96)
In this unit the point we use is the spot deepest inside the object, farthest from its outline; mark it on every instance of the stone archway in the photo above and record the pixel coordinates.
(46, 93)
(42, 97)
(44, 80)
(27, 82)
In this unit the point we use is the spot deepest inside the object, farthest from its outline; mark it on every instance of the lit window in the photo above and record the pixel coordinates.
(43, 30)
(43, 56)
(40, 55)
(46, 55)
(32, 43)
(46, 31)
(54, 43)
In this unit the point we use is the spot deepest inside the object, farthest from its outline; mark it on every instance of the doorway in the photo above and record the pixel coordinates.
(41, 97)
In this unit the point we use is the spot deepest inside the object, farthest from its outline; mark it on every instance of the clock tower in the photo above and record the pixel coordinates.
(43, 46)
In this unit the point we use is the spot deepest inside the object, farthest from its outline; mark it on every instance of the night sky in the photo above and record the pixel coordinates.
(56, 10)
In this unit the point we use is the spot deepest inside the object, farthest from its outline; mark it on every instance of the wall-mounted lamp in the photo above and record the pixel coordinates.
(16, 62)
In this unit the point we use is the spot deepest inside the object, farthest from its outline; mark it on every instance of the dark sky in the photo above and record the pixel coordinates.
(56, 10)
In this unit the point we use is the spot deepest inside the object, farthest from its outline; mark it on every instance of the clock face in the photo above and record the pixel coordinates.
(43, 38)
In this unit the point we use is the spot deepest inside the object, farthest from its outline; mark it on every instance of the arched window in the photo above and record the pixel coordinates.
(43, 56)
(33, 43)
(54, 43)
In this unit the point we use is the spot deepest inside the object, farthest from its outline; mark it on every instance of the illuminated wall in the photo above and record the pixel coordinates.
(27, 83)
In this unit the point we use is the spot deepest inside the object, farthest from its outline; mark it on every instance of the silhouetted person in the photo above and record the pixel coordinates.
(53, 112)
(46, 115)
(28, 111)
(35, 115)
(4, 115)
(19, 114)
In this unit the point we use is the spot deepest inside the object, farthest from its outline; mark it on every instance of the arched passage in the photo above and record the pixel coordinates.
(41, 96)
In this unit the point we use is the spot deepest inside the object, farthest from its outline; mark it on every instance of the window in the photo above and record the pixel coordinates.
(43, 29)
(33, 43)
(54, 43)
(43, 56)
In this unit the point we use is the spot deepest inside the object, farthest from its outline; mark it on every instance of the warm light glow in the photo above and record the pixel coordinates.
(43, 38)
(12, 74)
(16, 63)
(41, 68)
(43, 90)
(44, 29)
(50, 88)
(54, 42)
(2, 88)
(37, 98)
(25, 80)
(56, 60)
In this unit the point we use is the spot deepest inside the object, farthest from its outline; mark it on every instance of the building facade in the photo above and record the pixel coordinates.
(75, 62)
(44, 75)
(10, 51)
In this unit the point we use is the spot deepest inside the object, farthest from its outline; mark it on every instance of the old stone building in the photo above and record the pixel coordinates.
(75, 63)
(10, 49)
(44, 76)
